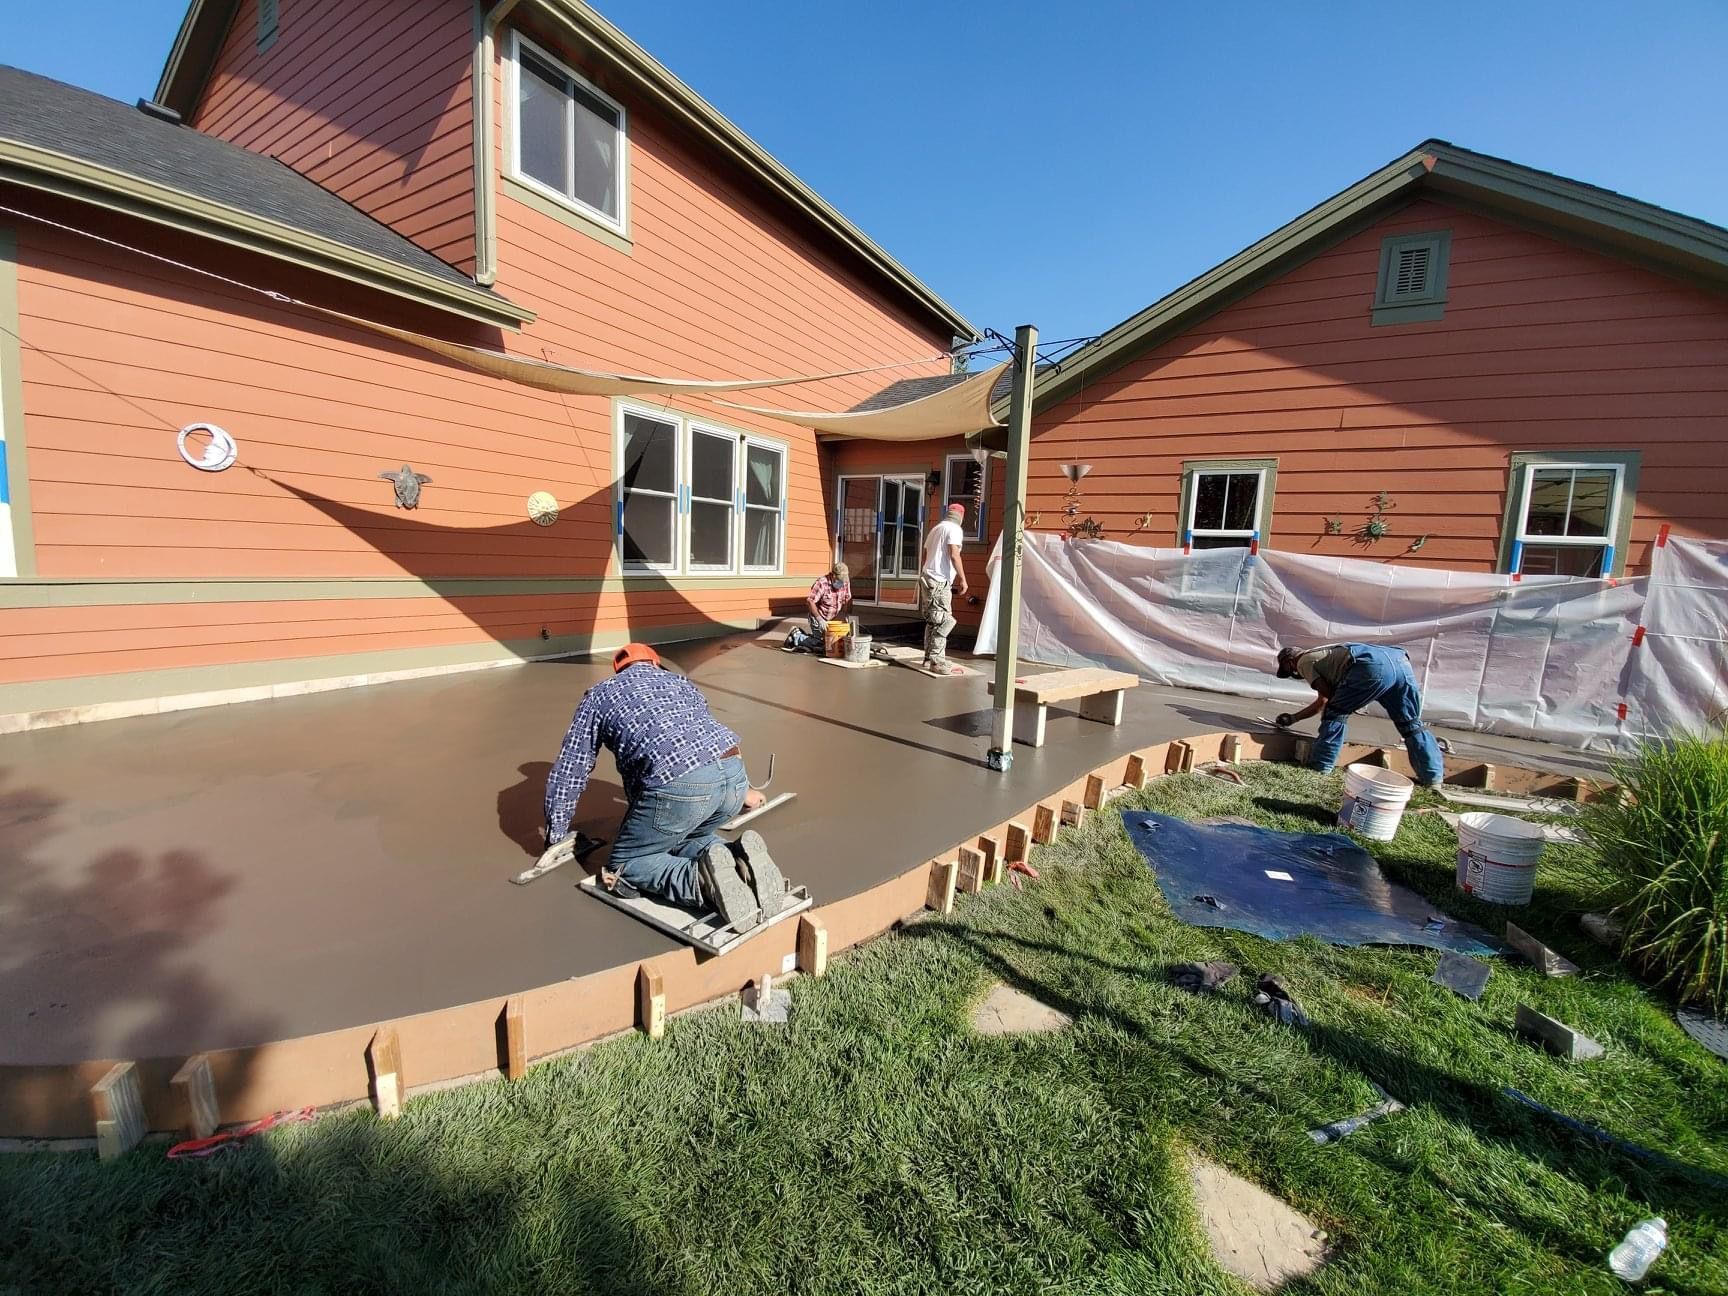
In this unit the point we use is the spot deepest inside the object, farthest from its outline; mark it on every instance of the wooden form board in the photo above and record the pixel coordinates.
(462, 1040)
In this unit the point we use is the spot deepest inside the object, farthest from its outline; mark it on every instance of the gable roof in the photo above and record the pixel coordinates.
(1608, 221)
(903, 390)
(64, 140)
(206, 23)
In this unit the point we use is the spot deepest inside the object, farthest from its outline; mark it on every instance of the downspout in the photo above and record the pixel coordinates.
(486, 24)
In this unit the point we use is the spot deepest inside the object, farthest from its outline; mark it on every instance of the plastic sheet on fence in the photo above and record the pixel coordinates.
(1285, 885)
(1543, 658)
(1679, 665)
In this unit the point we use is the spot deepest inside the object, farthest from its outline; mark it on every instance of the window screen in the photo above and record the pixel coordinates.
(569, 137)
(649, 484)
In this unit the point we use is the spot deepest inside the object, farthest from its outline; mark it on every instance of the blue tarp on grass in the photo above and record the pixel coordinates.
(1284, 885)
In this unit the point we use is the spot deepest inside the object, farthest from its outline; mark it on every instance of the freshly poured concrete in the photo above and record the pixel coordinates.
(209, 879)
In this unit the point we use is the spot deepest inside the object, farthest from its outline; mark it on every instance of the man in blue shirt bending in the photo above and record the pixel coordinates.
(684, 778)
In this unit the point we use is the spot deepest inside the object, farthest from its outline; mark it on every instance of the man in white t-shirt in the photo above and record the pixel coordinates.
(942, 568)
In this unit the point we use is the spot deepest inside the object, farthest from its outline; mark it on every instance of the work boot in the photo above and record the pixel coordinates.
(725, 890)
(762, 873)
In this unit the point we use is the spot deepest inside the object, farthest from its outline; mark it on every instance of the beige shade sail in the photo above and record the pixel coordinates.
(953, 411)
(587, 382)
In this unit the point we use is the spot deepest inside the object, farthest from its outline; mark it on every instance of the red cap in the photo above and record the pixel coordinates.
(631, 653)
(957, 508)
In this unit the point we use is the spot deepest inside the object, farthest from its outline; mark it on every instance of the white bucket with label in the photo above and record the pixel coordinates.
(1497, 857)
(1374, 801)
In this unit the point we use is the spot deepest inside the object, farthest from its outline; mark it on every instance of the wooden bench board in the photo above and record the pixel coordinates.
(1060, 686)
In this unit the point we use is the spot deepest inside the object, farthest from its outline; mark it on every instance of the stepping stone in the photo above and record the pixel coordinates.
(1005, 1011)
(1253, 1235)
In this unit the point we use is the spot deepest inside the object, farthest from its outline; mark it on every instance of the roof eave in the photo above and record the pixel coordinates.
(51, 172)
(206, 23)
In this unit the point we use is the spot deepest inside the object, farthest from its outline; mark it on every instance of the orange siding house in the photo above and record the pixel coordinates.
(1493, 368)
(543, 187)
(1507, 369)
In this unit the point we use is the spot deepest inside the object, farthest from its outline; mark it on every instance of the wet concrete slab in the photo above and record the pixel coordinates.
(209, 879)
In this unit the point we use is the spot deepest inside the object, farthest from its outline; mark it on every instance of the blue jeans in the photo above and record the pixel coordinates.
(667, 828)
(1380, 675)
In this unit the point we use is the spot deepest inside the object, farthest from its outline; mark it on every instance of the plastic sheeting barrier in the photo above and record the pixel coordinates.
(1284, 885)
(1679, 667)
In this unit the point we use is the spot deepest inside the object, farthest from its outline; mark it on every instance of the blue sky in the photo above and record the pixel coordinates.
(1066, 165)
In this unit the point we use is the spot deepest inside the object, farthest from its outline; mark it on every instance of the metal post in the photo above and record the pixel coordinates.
(1001, 755)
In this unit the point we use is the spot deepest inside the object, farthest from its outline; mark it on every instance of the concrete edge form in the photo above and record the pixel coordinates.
(471, 1042)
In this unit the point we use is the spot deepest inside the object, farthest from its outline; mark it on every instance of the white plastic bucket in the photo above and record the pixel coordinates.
(1374, 801)
(1497, 857)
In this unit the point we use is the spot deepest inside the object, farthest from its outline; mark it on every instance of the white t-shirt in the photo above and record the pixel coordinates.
(937, 562)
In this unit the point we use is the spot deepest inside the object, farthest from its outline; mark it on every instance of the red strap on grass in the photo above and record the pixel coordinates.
(216, 1142)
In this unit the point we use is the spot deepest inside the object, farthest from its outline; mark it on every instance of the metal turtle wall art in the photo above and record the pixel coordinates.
(408, 484)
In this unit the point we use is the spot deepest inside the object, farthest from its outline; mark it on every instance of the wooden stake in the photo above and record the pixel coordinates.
(940, 896)
(1135, 775)
(812, 946)
(1015, 845)
(1094, 794)
(1580, 790)
(196, 1093)
(119, 1111)
(384, 1060)
(1230, 750)
(1043, 825)
(1178, 758)
(971, 875)
(1073, 815)
(515, 1037)
(650, 1002)
(992, 852)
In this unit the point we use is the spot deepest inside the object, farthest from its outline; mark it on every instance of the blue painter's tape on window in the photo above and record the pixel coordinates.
(618, 518)
(5, 481)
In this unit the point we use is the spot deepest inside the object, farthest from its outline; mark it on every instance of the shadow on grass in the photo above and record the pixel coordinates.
(1477, 1107)
(1296, 810)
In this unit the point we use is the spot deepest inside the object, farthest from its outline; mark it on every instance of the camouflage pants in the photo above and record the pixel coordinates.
(936, 606)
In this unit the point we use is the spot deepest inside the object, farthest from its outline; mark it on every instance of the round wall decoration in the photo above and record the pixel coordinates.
(218, 453)
(543, 508)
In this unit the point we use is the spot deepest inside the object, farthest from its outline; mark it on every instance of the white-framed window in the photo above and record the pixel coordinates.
(764, 499)
(696, 499)
(1226, 504)
(965, 481)
(649, 491)
(902, 552)
(568, 137)
(1568, 518)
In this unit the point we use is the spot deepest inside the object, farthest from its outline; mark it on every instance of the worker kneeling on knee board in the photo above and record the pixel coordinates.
(1347, 677)
(684, 777)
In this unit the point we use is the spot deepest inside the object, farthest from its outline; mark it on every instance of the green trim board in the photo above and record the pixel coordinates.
(565, 214)
(12, 409)
(193, 57)
(1628, 461)
(1263, 506)
(36, 592)
(58, 173)
(1607, 221)
(205, 682)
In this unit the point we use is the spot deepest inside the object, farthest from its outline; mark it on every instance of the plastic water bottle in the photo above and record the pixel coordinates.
(1632, 1259)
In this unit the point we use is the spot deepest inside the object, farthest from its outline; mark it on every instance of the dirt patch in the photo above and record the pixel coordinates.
(1005, 1011)
(1253, 1235)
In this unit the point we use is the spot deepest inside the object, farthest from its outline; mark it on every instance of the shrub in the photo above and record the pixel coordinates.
(1666, 841)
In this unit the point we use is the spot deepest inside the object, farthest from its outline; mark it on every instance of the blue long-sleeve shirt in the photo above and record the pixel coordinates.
(657, 726)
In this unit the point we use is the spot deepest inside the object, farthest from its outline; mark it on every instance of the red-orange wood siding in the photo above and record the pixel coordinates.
(373, 101)
(1544, 346)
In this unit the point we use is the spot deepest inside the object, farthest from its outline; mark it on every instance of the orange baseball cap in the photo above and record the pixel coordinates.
(632, 653)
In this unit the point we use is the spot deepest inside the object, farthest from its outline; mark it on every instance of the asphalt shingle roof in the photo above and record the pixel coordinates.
(48, 114)
(911, 389)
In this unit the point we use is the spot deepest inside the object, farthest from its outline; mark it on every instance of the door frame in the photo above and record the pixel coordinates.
(919, 477)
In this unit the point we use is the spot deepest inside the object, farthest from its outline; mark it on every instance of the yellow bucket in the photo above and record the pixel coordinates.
(834, 641)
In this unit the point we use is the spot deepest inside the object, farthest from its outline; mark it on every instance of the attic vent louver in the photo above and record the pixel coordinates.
(161, 112)
(1411, 279)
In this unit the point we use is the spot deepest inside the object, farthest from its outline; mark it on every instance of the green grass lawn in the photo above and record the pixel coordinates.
(877, 1145)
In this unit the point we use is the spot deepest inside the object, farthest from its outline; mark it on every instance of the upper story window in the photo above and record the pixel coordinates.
(1570, 517)
(1226, 503)
(965, 483)
(268, 19)
(1412, 284)
(569, 136)
(697, 499)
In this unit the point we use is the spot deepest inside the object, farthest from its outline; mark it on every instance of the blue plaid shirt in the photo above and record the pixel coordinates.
(657, 726)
